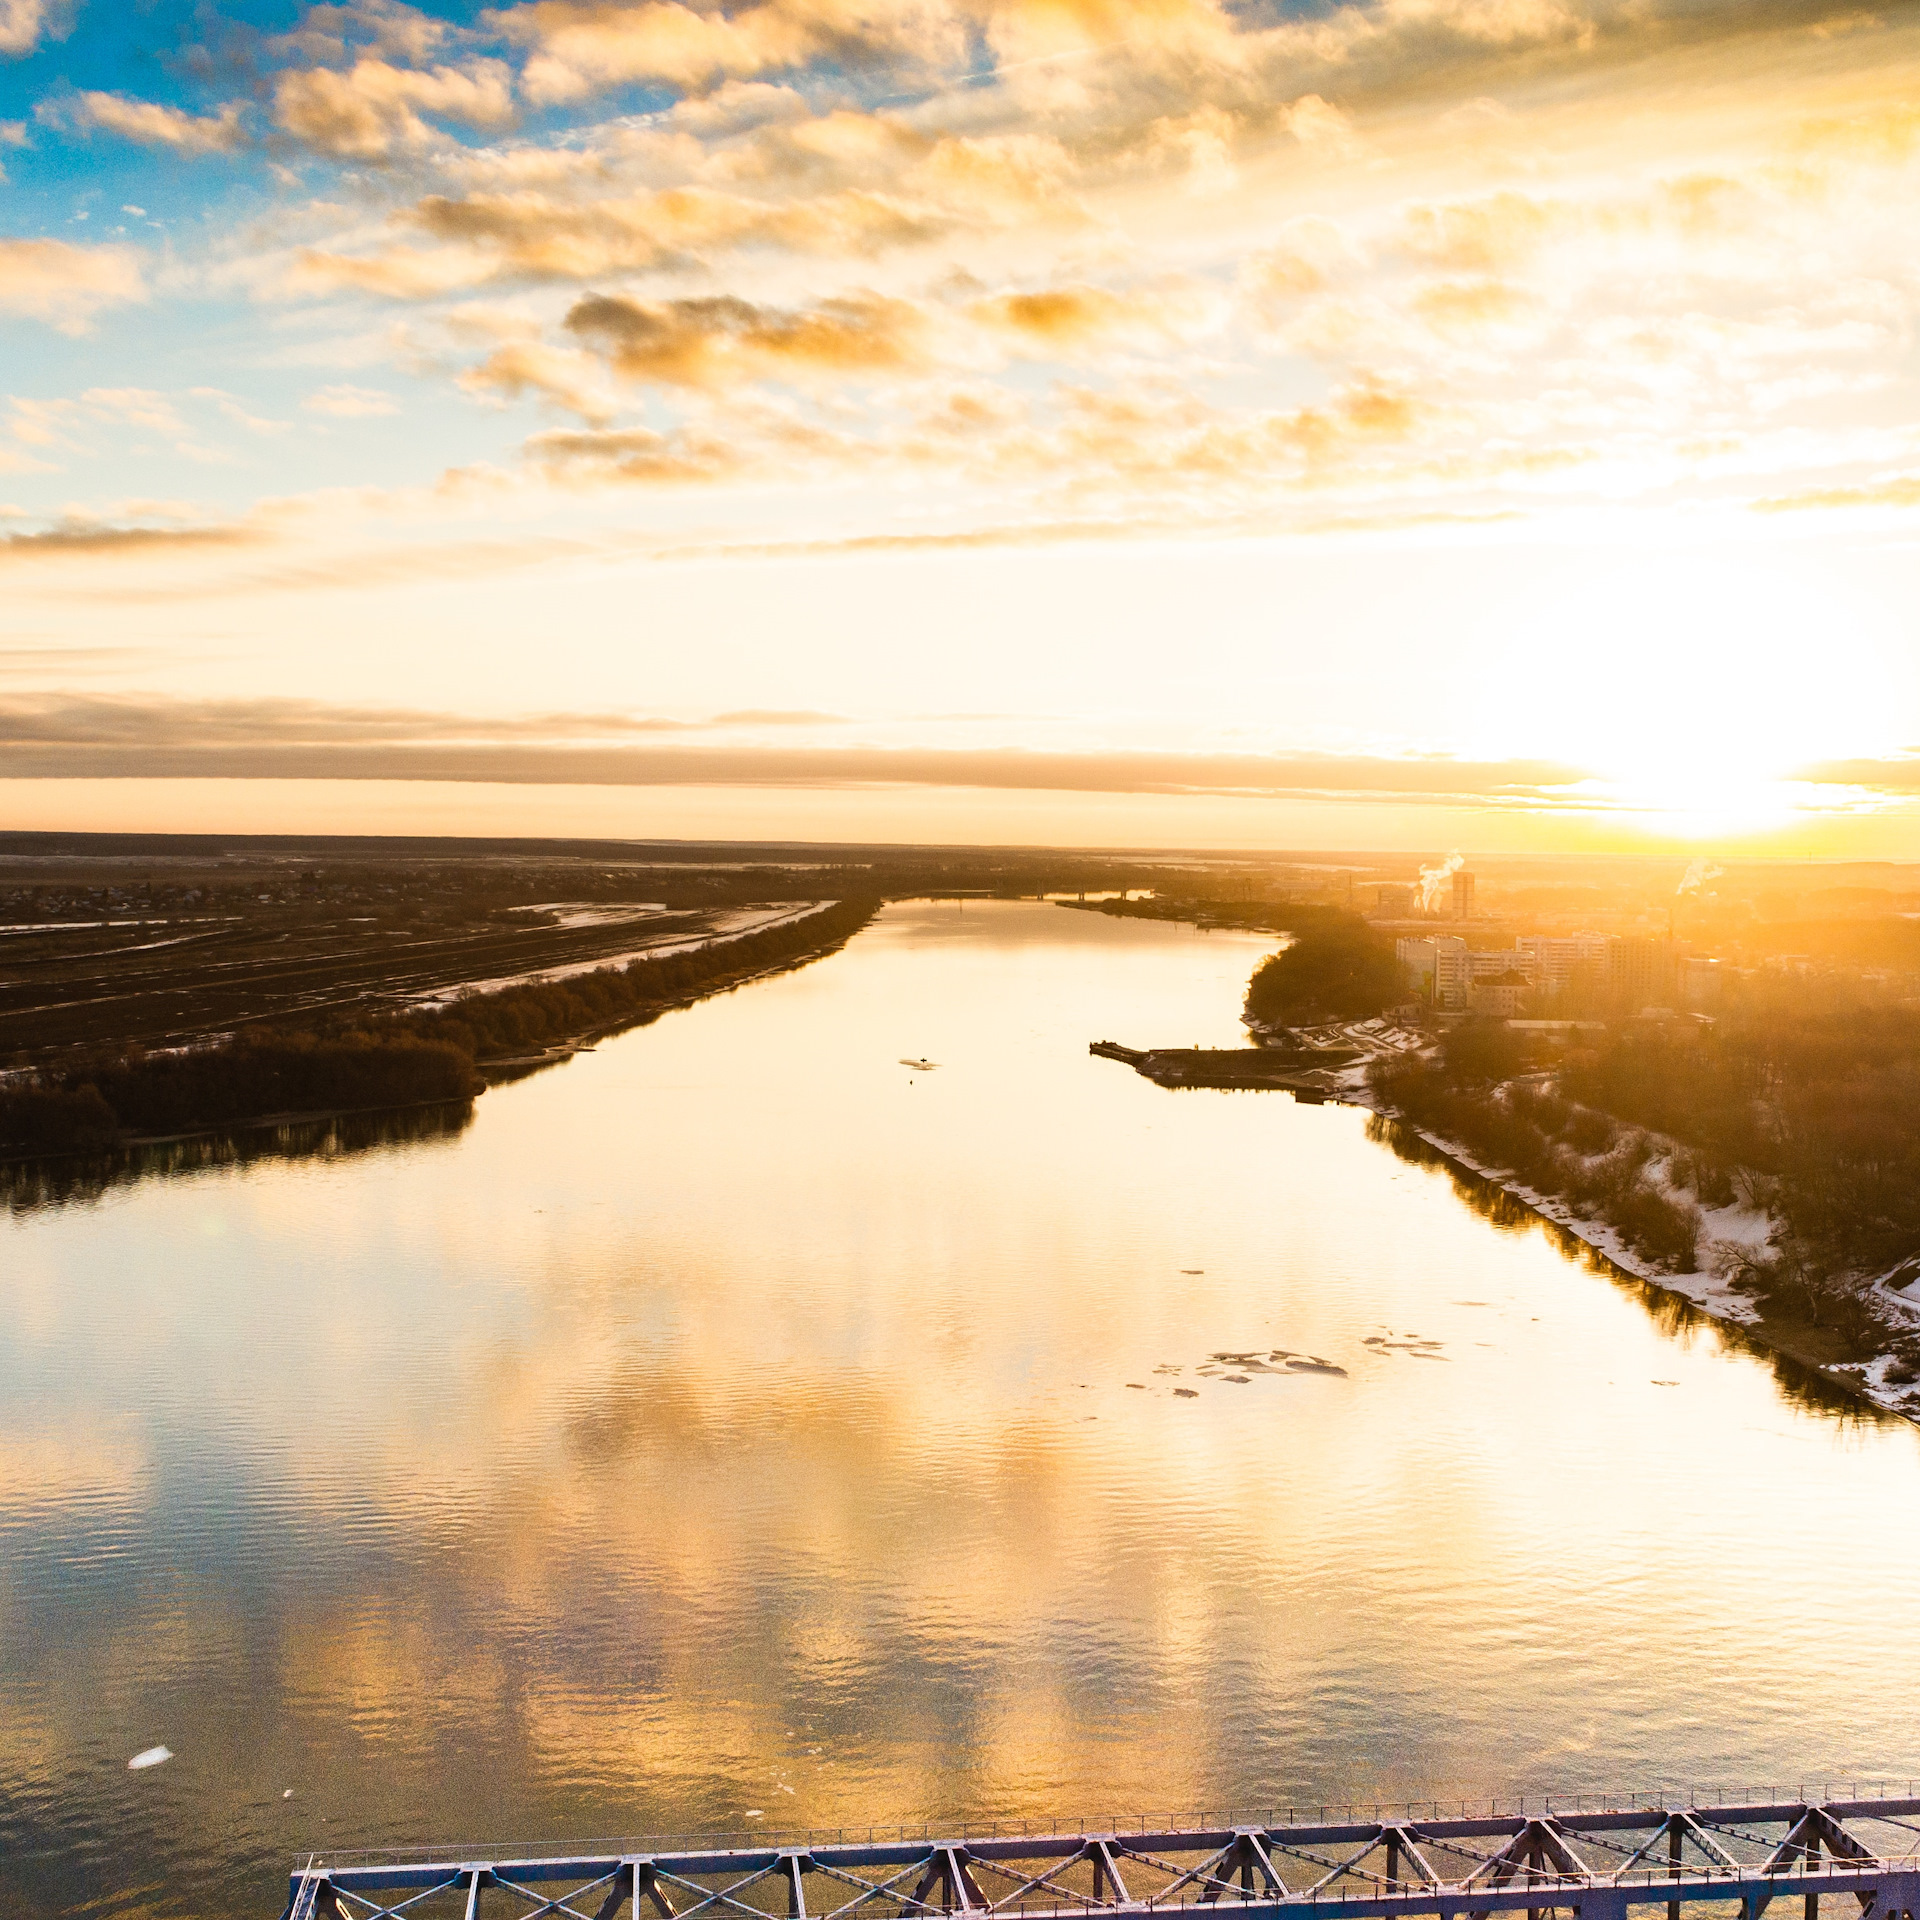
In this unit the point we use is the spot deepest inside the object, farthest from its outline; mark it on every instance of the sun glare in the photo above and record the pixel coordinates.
(1694, 691)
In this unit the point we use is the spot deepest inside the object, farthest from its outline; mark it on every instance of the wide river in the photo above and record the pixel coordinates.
(735, 1428)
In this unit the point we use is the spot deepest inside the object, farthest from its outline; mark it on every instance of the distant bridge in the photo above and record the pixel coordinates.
(1596, 1863)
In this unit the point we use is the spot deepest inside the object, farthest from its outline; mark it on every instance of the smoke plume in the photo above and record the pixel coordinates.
(1698, 873)
(1433, 879)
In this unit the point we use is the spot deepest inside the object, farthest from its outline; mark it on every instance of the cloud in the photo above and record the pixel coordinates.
(66, 285)
(535, 236)
(578, 47)
(90, 538)
(1902, 492)
(842, 185)
(65, 719)
(37, 663)
(1464, 308)
(397, 273)
(575, 48)
(1893, 774)
(526, 367)
(1057, 455)
(1312, 252)
(737, 105)
(22, 22)
(721, 340)
(150, 123)
(764, 285)
(328, 33)
(1073, 319)
(999, 179)
(1884, 133)
(1500, 23)
(688, 457)
(75, 736)
(351, 403)
(1482, 236)
(374, 110)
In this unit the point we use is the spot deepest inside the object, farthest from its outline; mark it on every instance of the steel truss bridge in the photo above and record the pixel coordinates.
(1596, 1864)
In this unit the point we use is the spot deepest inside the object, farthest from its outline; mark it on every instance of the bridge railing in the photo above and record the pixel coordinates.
(1844, 1796)
(1339, 1864)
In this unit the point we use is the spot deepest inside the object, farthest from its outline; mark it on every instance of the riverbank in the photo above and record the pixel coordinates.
(101, 1105)
(1707, 1291)
(1734, 1234)
(1640, 1160)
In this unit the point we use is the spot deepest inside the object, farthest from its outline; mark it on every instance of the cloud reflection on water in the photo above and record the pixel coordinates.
(732, 1393)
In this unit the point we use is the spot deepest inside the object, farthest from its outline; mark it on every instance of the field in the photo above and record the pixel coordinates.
(150, 943)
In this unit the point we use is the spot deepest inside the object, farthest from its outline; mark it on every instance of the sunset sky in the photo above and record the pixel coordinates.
(1412, 423)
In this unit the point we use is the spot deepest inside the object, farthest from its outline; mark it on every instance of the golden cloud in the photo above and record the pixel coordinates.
(1885, 134)
(538, 236)
(721, 340)
(1894, 774)
(1902, 492)
(552, 225)
(153, 125)
(66, 285)
(84, 537)
(997, 179)
(66, 736)
(1311, 253)
(1468, 307)
(638, 455)
(395, 273)
(584, 46)
(1072, 319)
(1501, 23)
(564, 377)
(328, 32)
(1482, 236)
(374, 109)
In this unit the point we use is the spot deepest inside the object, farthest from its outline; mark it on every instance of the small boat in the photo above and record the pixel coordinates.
(923, 1066)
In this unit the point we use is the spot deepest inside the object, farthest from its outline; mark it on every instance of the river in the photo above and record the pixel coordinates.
(735, 1428)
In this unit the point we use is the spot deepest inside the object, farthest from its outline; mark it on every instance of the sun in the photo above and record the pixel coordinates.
(1693, 688)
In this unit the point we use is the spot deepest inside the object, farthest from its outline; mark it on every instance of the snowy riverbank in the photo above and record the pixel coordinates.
(1726, 1232)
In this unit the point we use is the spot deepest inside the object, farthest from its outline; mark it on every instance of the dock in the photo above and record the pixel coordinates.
(1307, 1075)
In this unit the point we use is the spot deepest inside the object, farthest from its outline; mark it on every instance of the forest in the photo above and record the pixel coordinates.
(1336, 968)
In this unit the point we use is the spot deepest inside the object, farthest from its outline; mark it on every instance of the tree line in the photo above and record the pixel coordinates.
(1812, 1115)
(1336, 968)
(93, 1103)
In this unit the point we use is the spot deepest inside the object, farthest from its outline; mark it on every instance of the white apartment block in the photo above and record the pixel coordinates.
(1552, 960)
(1440, 967)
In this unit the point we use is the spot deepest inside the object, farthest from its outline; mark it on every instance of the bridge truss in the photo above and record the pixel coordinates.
(1596, 1864)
